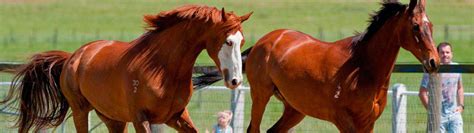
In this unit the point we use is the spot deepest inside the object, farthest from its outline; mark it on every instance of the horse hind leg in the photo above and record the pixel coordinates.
(80, 115)
(260, 94)
(113, 125)
(290, 118)
(80, 109)
(81, 120)
(79, 105)
(182, 122)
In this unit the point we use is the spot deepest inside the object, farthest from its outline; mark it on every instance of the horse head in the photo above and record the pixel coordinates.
(224, 45)
(418, 35)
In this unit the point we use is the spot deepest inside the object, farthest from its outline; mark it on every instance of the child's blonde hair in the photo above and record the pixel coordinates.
(227, 114)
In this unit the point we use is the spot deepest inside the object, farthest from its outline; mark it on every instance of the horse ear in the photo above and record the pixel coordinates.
(422, 5)
(412, 5)
(245, 17)
(224, 17)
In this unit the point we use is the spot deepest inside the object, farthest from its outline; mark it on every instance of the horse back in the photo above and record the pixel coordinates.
(289, 50)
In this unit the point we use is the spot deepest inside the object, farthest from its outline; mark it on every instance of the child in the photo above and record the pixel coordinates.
(223, 121)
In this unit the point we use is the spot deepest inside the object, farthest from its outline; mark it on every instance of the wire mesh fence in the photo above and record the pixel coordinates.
(206, 102)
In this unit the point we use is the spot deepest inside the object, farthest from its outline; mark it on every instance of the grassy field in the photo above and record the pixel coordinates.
(30, 26)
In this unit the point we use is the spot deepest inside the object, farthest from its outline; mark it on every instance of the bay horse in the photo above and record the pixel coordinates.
(145, 81)
(344, 82)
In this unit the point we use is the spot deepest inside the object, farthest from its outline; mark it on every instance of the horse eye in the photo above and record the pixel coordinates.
(416, 28)
(229, 43)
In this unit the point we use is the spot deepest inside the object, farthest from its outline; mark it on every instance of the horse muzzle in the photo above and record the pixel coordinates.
(231, 82)
(431, 65)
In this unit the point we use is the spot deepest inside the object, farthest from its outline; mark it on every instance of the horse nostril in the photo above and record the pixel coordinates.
(432, 63)
(234, 81)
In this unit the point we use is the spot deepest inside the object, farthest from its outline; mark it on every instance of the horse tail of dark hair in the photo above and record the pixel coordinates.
(212, 75)
(36, 87)
(245, 54)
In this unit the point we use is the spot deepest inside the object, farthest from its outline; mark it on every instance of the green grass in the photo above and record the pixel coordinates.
(34, 26)
(30, 27)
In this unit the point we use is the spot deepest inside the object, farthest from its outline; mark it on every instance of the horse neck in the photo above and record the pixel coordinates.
(171, 53)
(381, 53)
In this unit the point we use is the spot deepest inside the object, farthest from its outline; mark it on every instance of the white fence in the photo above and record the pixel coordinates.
(398, 94)
(399, 106)
(237, 104)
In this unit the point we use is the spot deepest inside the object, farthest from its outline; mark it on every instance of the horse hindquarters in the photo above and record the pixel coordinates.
(260, 84)
(37, 87)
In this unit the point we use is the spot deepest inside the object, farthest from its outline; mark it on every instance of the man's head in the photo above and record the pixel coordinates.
(445, 52)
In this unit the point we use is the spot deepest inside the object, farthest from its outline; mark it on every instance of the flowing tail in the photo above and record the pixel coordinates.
(36, 87)
(212, 75)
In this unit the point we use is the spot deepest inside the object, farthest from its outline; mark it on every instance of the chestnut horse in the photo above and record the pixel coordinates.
(146, 81)
(344, 82)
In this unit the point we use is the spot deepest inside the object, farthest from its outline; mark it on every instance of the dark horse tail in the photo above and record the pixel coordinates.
(212, 75)
(36, 87)
(244, 55)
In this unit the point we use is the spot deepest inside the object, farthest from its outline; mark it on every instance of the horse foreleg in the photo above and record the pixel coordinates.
(142, 126)
(344, 122)
(290, 118)
(365, 124)
(182, 122)
(113, 125)
(369, 128)
(141, 123)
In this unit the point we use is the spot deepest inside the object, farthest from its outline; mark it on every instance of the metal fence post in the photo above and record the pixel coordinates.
(399, 109)
(89, 122)
(237, 107)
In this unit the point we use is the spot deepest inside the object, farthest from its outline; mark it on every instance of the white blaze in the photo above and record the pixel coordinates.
(425, 22)
(230, 58)
(425, 19)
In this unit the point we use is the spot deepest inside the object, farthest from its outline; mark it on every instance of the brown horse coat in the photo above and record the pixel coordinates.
(146, 81)
(344, 82)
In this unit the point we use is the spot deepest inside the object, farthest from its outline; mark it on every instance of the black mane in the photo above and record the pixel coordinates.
(351, 70)
(379, 18)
